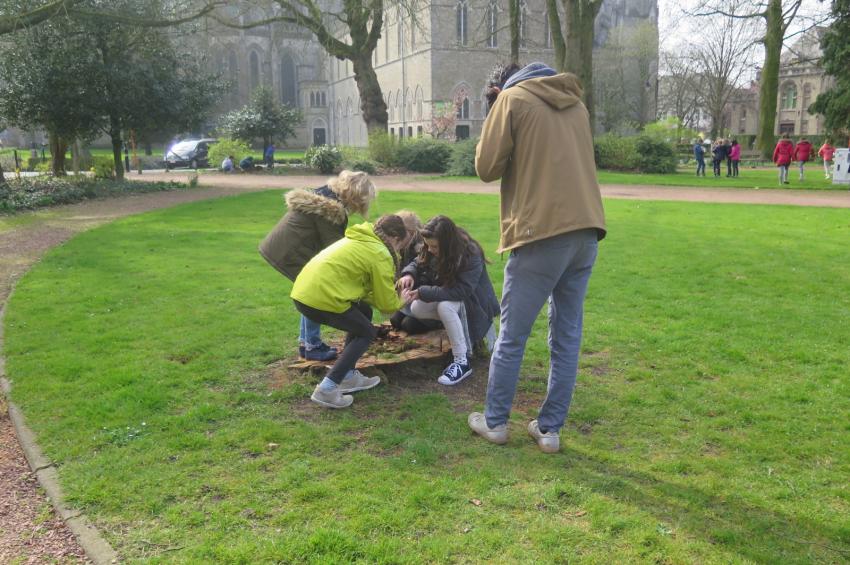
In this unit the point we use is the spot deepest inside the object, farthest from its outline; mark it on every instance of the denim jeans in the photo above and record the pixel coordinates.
(311, 333)
(556, 269)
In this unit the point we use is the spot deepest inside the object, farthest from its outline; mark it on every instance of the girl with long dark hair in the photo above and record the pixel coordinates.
(447, 280)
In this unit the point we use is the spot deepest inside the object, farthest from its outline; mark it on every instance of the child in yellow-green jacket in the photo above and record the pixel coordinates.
(338, 288)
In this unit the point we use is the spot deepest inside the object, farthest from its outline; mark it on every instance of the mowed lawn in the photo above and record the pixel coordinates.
(710, 422)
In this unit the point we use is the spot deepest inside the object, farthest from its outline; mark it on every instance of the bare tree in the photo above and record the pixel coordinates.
(722, 63)
(777, 16)
(574, 51)
(681, 88)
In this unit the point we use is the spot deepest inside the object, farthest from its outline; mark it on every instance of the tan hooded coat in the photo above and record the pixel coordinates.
(537, 139)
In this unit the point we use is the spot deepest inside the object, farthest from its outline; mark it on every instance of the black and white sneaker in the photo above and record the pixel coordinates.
(455, 373)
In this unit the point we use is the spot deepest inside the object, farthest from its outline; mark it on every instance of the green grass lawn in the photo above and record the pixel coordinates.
(709, 424)
(749, 178)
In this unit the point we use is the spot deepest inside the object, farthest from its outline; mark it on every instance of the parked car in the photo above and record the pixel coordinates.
(191, 153)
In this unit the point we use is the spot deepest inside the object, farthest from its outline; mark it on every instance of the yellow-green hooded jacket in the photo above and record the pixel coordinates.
(357, 267)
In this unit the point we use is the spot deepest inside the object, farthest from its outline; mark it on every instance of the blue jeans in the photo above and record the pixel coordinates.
(311, 333)
(701, 167)
(556, 269)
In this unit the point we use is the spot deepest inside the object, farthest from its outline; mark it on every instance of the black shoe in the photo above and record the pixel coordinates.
(322, 352)
(455, 373)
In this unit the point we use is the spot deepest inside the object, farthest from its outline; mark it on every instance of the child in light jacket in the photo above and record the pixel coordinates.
(338, 288)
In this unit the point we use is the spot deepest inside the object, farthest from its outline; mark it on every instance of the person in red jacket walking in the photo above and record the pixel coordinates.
(826, 153)
(782, 155)
(802, 153)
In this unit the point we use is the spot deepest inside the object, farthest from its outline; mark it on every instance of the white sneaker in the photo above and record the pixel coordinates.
(331, 398)
(356, 381)
(549, 442)
(478, 424)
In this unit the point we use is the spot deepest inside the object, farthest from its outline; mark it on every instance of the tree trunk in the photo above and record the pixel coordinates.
(513, 6)
(115, 134)
(769, 84)
(2, 175)
(557, 36)
(372, 105)
(581, 15)
(58, 147)
(148, 148)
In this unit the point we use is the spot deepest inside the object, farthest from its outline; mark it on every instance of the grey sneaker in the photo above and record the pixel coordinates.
(550, 442)
(331, 399)
(355, 381)
(478, 424)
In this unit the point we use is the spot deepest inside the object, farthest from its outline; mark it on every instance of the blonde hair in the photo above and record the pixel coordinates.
(412, 223)
(355, 190)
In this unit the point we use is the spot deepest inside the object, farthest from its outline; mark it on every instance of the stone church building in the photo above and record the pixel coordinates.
(443, 55)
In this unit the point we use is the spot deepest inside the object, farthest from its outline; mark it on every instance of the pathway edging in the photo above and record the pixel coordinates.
(96, 547)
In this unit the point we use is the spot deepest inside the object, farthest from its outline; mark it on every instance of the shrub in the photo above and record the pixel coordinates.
(383, 149)
(462, 162)
(227, 146)
(655, 156)
(36, 192)
(324, 158)
(363, 165)
(103, 167)
(425, 155)
(615, 152)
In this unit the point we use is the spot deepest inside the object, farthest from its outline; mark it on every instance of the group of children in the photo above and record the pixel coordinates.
(785, 152)
(721, 150)
(423, 276)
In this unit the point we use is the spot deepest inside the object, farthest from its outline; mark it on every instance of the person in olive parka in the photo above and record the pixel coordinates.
(314, 220)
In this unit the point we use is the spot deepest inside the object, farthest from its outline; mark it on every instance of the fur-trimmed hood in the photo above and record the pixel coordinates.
(312, 202)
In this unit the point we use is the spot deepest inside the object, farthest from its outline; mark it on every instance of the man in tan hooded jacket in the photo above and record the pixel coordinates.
(537, 139)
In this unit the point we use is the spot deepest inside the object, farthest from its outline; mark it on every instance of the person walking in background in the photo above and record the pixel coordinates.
(783, 153)
(826, 153)
(699, 155)
(552, 219)
(802, 154)
(268, 156)
(735, 156)
(717, 154)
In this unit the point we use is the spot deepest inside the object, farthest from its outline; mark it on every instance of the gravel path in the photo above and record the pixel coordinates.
(30, 532)
(826, 198)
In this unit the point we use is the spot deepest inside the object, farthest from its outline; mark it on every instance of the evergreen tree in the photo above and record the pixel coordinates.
(834, 104)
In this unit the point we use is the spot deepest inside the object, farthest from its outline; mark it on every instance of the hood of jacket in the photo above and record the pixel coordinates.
(313, 202)
(559, 91)
(363, 232)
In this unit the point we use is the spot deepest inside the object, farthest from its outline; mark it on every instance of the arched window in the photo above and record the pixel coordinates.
(548, 30)
(288, 81)
(523, 23)
(462, 14)
(399, 35)
(419, 103)
(492, 24)
(386, 38)
(399, 106)
(789, 97)
(233, 74)
(408, 105)
(255, 70)
(312, 99)
(463, 109)
(324, 100)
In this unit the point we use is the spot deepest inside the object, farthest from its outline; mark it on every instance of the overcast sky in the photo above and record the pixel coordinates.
(676, 27)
